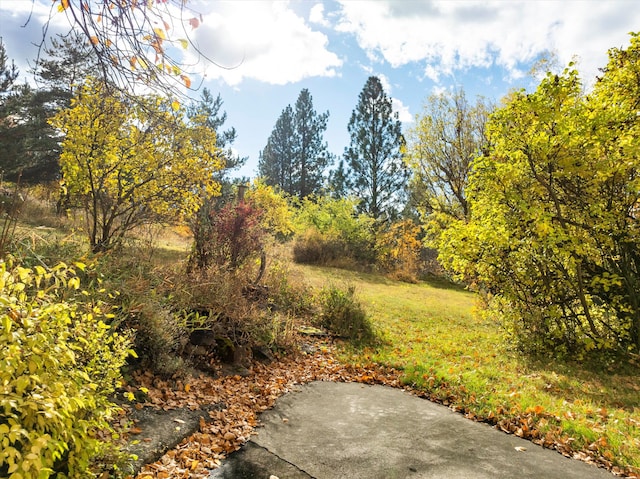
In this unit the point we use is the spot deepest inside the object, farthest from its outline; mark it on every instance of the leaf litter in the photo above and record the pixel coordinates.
(238, 401)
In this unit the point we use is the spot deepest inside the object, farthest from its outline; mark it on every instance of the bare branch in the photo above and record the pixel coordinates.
(139, 43)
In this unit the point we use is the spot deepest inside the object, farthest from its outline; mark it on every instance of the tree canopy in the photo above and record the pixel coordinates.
(296, 154)
(138, 42)
(129, 163)
(374, 158)
(553, 233)
(30, 146)
(9, 140)
(446, 138)
(8, 72)
(210, 109)
(312, 156)
(276, 164)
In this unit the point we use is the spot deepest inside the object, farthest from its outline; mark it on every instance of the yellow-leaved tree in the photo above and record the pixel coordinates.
(129, 163)
(277, 217)
(553, 232)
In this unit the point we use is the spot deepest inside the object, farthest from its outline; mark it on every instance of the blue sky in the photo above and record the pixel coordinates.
(417, 48)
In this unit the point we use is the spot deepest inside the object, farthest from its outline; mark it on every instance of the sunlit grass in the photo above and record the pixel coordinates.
(432, 334)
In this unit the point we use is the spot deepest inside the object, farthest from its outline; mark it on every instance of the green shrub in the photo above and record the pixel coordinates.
(313, 247)
(141, 289)
(159, 335)
(330, 232)
(343, 315)
(59, 364)
(287, 290)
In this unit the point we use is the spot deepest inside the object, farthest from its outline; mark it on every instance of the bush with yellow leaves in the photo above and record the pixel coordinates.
(59, 365)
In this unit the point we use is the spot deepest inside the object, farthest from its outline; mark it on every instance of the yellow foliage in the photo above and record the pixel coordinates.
(132, 162)
(399, 249)
(59, 366)
(277, 217)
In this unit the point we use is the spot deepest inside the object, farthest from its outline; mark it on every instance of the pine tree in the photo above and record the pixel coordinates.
(210, 109)
(312, 156)
(8, 73)
(339, 181)
(374, 157)
(32, 147)
(208, 113)
(9, 124)
(296, 155)
(278, 157)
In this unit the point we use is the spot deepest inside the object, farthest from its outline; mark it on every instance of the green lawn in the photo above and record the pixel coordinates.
(434, 334)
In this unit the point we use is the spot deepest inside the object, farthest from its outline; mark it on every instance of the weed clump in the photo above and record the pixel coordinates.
(343, 315)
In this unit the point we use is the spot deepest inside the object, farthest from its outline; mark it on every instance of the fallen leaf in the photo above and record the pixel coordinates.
(520, 448)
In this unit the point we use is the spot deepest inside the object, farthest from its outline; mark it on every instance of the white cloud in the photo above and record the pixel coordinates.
(446, 36)
(384, 81)
(404, 115)
(261, 40)
(439, 90)
(432, 73)
(366, 68)
(23, 25)
(316, 15)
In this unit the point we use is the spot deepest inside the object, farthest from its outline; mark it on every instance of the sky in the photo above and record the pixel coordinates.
(265, 52)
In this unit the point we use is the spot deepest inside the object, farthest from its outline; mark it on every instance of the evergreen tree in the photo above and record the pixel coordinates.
(296, 155)
(8, 73)
(278, 157)
(210, 110)
(208, 113)
(374, 157)
(64, 68)
(30, 146)
(312, 155)
(339, 181)
(9, 124)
